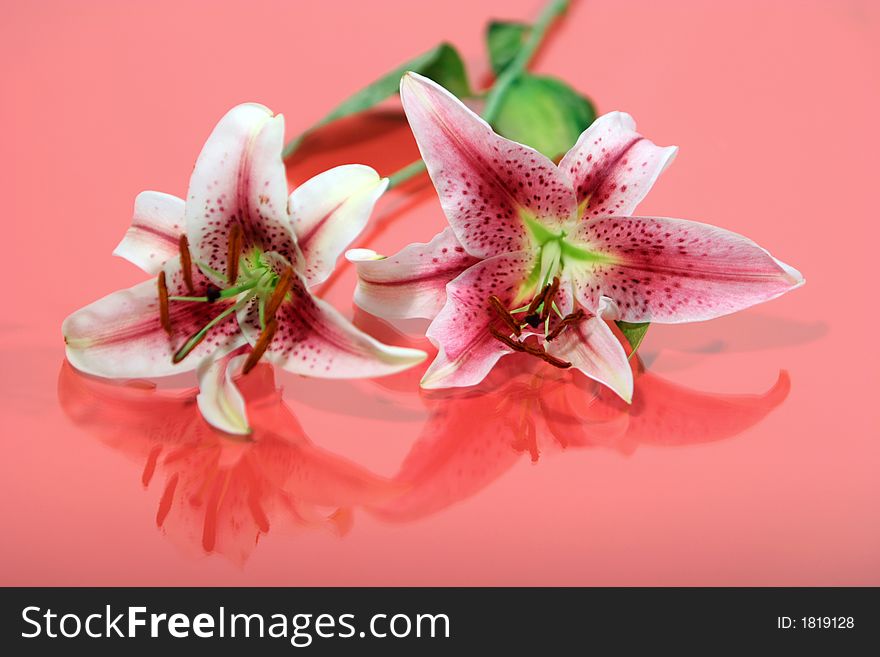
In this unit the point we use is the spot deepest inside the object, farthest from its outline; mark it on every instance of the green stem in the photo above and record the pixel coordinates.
(508, 76)
(409, 171)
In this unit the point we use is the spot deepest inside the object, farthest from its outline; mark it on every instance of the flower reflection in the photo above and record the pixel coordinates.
(222, 493)
(472, 439)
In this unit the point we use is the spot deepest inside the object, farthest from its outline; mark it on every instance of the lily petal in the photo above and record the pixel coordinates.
(121, 335)
(314, 339)
(239, 179)
(152, 238)
(329, 211)
(487, 185)
(219, 400)
(672, 270)
(467, 350)
(411, 283)
(592, 348)
(612, 167)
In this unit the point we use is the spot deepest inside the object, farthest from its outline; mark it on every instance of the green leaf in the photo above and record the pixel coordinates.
(442, 64)
(544, 113)
(504, 39)
(634, 333)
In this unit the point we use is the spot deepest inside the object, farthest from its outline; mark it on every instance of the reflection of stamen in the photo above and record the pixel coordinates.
(186, 263)
(261, 346)
(164, 317)
(510, 342)
(572, 318)
(505, 315)
(233, 253)
(281, 290)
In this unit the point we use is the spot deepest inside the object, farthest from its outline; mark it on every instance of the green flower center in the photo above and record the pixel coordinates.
(248, 276)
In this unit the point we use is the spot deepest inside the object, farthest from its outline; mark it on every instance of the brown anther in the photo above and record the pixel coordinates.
(186, 263)
(233, 253)
(538, 351)
(260, 347)
(281, 290)
(506, 339)
(537, 299)
(164, 315)
(554, 361)
(572, 318)
(505, 315)
(549, 297)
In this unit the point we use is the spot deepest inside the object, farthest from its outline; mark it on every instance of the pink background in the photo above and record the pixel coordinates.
(774, 106)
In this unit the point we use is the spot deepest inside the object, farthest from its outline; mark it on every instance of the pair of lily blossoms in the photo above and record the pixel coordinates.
(537, 259)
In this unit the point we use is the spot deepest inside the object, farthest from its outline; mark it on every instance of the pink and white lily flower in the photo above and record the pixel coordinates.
(234, 266)
(537, 256)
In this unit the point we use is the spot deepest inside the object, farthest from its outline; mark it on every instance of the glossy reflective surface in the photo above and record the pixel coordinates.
(748, 457)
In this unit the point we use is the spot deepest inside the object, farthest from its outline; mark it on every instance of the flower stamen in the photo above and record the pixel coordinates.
(505, 315)
(260, 347)
(282, 287)
(164, 315)
(572, 318)
(186, 263)
(516, 345)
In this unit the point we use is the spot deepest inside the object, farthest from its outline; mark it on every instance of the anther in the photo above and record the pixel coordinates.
(538, 298)
(260, 347)
(506, 339)
(233, 253)
(538, 351)
(164, 315)
(572, 318)
(282, 287)
(505, 315)
(549, 296)
(186, 263)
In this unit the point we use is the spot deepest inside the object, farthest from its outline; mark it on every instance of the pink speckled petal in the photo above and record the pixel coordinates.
(219, 400)
(592, 348)
(672, 270)
(411, 283)
(240, 178)
(120, 336)
(486, 183)
(467, 350)
(329, 211)
(152, 238)
(314, 339)
(613, 167)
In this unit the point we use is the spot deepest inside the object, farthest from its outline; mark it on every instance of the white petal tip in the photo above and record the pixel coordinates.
(792, 275)
(362, 255)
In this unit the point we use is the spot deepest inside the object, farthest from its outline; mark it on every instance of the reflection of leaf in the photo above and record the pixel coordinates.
(634, 333)
(504, 40)
(544, 113)
(442, 64)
